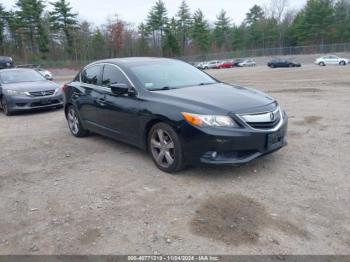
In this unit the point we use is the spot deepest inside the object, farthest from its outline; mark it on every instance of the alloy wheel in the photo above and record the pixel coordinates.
(162, 148)
(73, 121)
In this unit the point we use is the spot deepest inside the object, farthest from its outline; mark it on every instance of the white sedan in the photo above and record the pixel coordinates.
(331, 60)
(247, 63)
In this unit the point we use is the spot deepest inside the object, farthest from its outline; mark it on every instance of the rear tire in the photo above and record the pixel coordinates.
(4, 106)
(165, 148)
(74, 123)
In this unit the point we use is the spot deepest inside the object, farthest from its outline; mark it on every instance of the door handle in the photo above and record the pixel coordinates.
(101, 101)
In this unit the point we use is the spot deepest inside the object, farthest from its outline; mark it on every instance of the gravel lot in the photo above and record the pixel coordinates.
(63, 195)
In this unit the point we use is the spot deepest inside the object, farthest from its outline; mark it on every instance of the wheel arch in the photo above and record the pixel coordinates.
(148, 126)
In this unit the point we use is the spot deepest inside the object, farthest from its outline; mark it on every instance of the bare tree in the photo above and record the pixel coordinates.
(277, 9)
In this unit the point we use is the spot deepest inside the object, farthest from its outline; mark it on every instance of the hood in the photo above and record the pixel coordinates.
(31, 86)
(222, 97)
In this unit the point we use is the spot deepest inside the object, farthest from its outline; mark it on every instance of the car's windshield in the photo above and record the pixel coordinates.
(169, 75)
(16, 76)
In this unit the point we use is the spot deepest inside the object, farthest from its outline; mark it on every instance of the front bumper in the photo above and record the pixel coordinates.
(22, 103)
(231, 147)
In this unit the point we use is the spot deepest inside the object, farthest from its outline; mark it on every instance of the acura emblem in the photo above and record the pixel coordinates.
(272, 116)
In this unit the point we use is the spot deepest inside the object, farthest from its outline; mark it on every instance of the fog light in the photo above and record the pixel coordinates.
(214, 155)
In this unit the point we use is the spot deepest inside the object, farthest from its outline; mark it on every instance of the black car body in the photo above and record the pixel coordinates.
(26, 89)
(238, 124)
(282, 63)
(6, 62)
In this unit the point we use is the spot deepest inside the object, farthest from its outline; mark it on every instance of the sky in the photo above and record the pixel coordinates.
(135, 11)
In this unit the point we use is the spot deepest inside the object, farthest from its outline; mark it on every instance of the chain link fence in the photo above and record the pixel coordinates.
(268, 52)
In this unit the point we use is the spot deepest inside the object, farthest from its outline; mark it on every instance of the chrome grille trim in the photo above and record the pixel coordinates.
(262, 118)
(41, 93)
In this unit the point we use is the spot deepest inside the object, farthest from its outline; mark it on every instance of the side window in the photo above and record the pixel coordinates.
(91, 75)
(112, 75)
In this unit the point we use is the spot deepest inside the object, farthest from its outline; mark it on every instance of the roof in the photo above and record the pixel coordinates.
(131, 60)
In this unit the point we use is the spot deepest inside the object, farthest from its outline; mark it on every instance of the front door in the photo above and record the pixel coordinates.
(119, 113)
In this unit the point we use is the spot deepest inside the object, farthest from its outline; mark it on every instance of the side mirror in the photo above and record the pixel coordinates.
(119, 89)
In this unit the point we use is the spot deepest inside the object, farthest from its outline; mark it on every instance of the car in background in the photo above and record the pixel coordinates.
(6, 62)
(25, 89)
(200, 65)
(247, 63)
(277, 62)
(179, 114)
(214, 64)
(237, 61)
(331, 60)
(226, 64)
(45, 73)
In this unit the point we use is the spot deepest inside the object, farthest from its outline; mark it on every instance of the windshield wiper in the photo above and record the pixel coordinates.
(160, 89)
(204, 84)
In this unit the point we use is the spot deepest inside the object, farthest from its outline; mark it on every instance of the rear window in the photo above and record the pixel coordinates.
(91, 75)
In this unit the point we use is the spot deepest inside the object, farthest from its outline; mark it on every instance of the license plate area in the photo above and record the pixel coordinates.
(275, 140)
(45, 101)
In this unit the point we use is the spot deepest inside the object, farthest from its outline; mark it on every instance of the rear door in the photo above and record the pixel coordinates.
(88, 98)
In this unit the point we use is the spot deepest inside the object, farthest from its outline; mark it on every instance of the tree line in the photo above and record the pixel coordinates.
(30, 32)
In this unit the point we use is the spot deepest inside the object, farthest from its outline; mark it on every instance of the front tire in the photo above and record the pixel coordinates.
(322, 64)
(4, 106)
(74, 123)
(166, 149)
(342, 63)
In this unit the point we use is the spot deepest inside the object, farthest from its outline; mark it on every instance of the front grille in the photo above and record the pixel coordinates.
(264, 121)
(265, 125)
(42, 93)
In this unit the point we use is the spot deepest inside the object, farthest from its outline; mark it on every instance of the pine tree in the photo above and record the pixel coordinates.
(254, 15)
(29, 19)
(200, 32)
(98, 45)
(157, 21)
(222, 29)
(64, 21)
(342, 16)
(171, 46)
(319, 21)
(184, 24)
(3, 16)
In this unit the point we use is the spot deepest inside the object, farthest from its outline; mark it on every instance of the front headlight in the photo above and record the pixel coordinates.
(209, 120)
(14, 92)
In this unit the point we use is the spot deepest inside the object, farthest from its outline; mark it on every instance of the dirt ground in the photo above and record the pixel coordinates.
(63, 195)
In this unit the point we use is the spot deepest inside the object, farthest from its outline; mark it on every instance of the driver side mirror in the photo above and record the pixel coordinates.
(120, 89)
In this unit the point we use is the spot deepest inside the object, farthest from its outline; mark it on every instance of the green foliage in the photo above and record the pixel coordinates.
(184, 24)
(29, 21)
(222, 29)
(63, 20)
(200, 32)
(157, 21)
(254, 15)
(171, 46)
(98, 45)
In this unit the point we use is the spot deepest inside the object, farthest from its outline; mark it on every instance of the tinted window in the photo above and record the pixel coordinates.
(91, 75)
(112, 75)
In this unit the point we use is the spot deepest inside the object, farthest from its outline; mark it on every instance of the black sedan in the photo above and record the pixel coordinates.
(178, 113)
(26, 89)
(282, 63)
